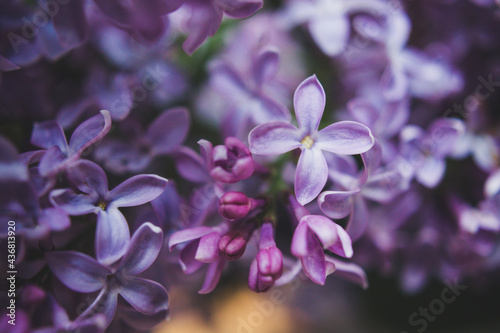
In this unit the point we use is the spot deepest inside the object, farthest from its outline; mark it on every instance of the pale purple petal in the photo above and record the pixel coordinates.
(274, 138)
(358, 221)
(241, 9)
(337, 204)
(53, 161)
(349, 271)
(309, 103)
(137, 190)
(208, 248)
(168, 131)
(77, 271)
(299, 240)
(345, 137)
(204, 22)
(431, 172)
(72, 203)
(89, 177)
(265, 66)
(213, 275)
(48, 134)
(104, 304)
(145, 296)
(187, 261)
(313, 263)
(363, 111)
(343, 245)
(112, 236)
(186, 235)
(54, 218)
(311, 175)
(191, 166)
(89, 132)
(330, 34)
(145, 245)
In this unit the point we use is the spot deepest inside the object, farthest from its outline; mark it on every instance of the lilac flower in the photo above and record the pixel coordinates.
(163, 136)
(344, 137)
(206, 17)
(84, 274)
(426, 152)
(267, 266)
(112, 234)
(59, 155)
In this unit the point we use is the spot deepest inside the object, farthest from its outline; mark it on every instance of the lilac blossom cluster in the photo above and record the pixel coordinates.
(201, 131)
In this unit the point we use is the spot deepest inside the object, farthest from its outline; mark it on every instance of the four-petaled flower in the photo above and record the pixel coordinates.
(345, 137)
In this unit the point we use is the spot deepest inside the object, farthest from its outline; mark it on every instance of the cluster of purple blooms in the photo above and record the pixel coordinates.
(389, 161)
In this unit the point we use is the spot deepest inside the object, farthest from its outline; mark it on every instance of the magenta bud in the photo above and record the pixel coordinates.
(233, 245)
(270, 262)
(234, 205)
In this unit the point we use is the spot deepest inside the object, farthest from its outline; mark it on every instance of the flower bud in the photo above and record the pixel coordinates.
(232, 162)
(233, 245)
(234, 205)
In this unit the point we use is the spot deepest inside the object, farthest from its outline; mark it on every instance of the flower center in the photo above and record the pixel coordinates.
(307, 141)
(102, 204)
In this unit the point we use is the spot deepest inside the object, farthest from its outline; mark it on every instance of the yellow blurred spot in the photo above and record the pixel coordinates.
(307, 141)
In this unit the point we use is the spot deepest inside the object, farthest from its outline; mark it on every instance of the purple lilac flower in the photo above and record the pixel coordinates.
(346, 137)
(84, 274)
(112, 234)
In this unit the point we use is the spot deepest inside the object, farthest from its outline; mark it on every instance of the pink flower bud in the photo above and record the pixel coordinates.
(233, 245)
(234, 205)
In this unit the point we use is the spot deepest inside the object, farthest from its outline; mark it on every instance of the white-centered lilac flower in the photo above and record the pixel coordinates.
(112, 234)
(345, 137)
(84, 274)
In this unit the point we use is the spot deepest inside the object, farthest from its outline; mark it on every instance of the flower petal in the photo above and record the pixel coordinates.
(89, 132)
(186, 235)
(213, 275)
(309, 103)
(343, 246)
(104, 304)
(169, 130)
(299, 240)
(313, 263)
(265, 66)
(274, 138)
(324, 229)
(208, 248)
(77, 271)
(349, 271)
(89, 177)
(137, 190)
(359, 219)
(70, 23)
(72, 203)
(48, 134)
(311, 175)
(345, 137)
(187, 261)
(330, 34)
(191, 166)
(145, 296)
(431, 172)
(337, 204)
(112, 236)
(143, 250)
